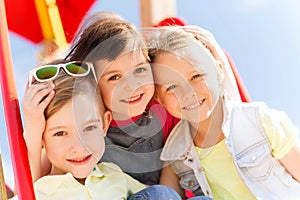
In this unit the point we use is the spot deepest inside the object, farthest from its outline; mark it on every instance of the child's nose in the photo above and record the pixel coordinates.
(79, 144)
(132, 84)
(188, 92)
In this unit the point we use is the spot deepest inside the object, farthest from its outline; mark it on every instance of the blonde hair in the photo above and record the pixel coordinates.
(174, 40)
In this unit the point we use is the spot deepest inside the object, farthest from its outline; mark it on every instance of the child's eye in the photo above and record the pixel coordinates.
(89, 128)
(60, 133)
(197, 76)
(171, 87)
(140, 70)
(114, 77)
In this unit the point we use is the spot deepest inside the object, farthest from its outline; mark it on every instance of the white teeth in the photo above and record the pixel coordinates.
(132, 98)
(78, 159)
(193, 106)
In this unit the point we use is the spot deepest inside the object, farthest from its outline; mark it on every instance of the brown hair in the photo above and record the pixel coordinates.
(105, 36)
(66, 87)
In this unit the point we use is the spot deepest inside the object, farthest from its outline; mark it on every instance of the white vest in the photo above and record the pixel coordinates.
(263, 174)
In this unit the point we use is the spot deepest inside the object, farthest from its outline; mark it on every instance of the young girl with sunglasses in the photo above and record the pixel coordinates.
(226, 149)
(72, 125)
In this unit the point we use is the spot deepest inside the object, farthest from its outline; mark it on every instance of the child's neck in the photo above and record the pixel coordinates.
(55, 172)
(209, 132)
(81, 180)
(124, 121)
(123, 117)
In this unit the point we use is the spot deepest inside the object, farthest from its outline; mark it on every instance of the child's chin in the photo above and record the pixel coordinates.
(82, 175)
(191, 117)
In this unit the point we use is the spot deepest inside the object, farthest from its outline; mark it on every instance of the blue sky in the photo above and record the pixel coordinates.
(262, 36)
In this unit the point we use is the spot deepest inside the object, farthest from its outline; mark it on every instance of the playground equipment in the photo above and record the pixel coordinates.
(3, 195)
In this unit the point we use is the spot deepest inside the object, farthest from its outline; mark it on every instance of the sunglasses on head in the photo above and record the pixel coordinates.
(49, 72)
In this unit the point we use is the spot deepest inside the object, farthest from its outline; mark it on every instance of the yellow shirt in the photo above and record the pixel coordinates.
(220, 170)
(106, 182)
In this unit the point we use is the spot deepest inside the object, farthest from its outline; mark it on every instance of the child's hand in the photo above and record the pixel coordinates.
(36, 99)
(209, 41)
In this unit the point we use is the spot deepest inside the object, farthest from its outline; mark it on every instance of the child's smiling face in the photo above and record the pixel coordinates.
(74, 137)
(188, 86)
(126, 84)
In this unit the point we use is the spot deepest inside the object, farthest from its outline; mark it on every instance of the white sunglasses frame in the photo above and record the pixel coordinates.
(32, 73)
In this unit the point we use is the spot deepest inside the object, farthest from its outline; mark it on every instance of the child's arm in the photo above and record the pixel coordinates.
(169, 178)
(36, 99)
(291, 161)
(284, 139)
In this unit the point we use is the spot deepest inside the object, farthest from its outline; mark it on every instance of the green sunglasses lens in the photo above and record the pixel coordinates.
(46, 72)
(77, 68)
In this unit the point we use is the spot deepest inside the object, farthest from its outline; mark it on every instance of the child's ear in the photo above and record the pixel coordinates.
(43, 143)
(107, 117)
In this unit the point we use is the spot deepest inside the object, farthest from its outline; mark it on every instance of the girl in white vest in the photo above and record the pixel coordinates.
(224, 149)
